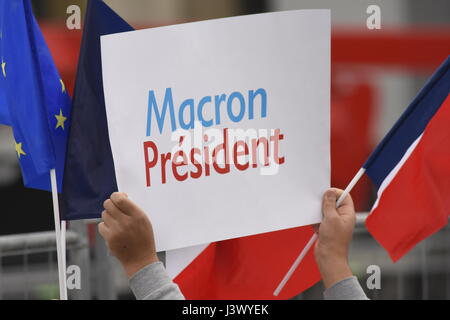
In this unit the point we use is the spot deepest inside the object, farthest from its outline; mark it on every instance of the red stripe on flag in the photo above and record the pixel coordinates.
(416, 203)
(250, 267)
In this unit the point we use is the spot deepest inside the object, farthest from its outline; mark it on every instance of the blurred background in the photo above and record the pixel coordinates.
(375, 75)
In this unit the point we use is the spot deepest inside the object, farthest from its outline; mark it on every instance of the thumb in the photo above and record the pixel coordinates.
(124, 204)
(329, 203)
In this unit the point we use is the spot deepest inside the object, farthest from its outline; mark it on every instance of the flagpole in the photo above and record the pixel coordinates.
(59, 252)
(63, 254)
(315, 236)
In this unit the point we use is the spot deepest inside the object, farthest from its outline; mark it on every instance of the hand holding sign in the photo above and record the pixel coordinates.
(128, 233)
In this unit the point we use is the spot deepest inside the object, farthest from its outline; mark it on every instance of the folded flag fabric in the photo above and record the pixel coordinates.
(411, 170)
(89, 173)
(245, 268)
(33, 98)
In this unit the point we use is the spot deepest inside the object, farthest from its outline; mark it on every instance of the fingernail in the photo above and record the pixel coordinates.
(330, 195)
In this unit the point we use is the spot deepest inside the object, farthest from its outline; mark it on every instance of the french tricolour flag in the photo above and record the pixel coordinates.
(411, 170)
(244, 268)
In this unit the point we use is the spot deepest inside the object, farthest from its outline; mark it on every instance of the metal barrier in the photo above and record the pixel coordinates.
(423, 273)
(28, 268)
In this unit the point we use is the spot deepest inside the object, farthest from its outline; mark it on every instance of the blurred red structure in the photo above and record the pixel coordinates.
(64, 45)
(353, 104)
(418, 48)
(352, 113)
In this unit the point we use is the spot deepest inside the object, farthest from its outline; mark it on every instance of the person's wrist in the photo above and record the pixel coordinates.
(333, 266)
(133, 266)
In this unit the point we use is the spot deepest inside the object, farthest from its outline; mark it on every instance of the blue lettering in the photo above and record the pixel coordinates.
(160, 117)
(187, 103)
(202, 102)
(251, 98)
(218, 100)
(236, 95)
(235, 111)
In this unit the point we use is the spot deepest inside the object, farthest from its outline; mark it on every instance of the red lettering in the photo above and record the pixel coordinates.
(223, 146)
(198, 165)
(276, 140)
(237, 153)
(176, 165)
(164, 158)
(255, 144)
(150, 164)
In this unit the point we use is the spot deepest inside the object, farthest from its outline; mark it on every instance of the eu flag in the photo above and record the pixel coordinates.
(33, 98)
(89, 176)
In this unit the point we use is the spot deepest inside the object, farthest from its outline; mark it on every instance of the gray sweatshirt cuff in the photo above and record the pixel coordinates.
(346, 289)
(153, 283)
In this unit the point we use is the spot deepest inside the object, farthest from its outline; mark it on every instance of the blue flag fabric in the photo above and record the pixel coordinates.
(89, 173)
(33, 99)
(410, 126)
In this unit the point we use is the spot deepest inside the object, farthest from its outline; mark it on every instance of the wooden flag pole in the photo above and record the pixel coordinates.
(315, 236)
(59, 252)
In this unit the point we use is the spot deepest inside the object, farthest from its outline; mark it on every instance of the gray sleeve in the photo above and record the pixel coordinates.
(153, 283)
(347, 289)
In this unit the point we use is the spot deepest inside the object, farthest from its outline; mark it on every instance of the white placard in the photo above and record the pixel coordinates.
(263, 82)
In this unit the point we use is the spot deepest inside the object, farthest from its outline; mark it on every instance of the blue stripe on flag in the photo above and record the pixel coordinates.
(89, 176)
(410, 126)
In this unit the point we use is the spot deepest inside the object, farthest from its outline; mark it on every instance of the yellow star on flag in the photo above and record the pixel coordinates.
(4, 68)
(19, 149)
(63, 87)
(60, 119)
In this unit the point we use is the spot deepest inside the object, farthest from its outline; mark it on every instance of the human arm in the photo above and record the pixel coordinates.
(129, 237)
(331, 249)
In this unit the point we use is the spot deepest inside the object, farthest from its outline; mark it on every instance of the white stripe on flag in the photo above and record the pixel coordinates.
(394, 171)
(177, 260)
